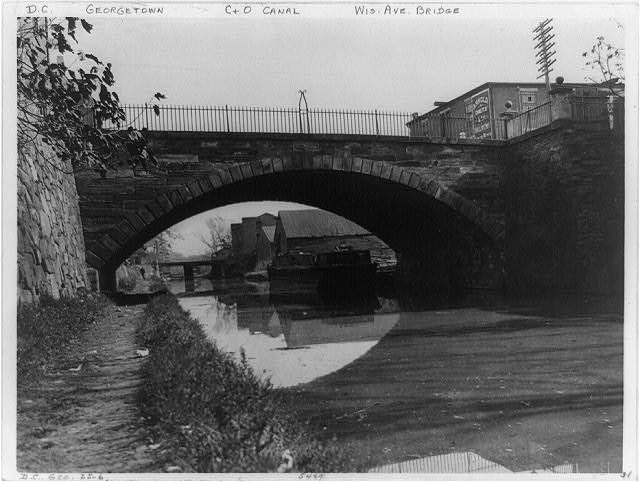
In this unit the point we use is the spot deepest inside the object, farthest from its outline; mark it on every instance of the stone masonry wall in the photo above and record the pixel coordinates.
(471, 169)
(51, 254)
(564, 229)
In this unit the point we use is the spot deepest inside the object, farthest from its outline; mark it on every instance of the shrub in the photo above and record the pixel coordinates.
(156, 283)
(127, 283)
(45, 329)
(212, 412)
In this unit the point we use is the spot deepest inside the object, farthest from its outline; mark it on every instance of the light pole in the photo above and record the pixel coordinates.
(303, 98)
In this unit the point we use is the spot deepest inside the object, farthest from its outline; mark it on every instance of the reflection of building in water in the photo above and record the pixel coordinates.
(316, 331)
(255, 314)
(222, 318)
(262, 320)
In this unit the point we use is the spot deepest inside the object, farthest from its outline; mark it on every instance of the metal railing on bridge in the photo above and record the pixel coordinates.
(529, 120)
(595, 112)
(180, 118)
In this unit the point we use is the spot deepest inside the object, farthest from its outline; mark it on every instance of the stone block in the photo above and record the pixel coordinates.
(385, 173)
(225, 176)
(127, 228)
(395, 174)
(185, 194)
(357, 164)
(175, 198)
(101, 252)
(135, 221)
(146, 215)
(286, 163)
(155, 209)
(94, 260)
(118, 235)
(376, 168)
(269, 165)
(110, 243)
(256, 168)
(245, 169)
(296, 160)
(307, 160)
(432, 187)
(194, 187)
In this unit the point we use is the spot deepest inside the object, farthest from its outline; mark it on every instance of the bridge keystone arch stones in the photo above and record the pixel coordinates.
(402, 190)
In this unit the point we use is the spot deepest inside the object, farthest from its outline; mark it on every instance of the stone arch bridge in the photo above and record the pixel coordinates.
(440, 206)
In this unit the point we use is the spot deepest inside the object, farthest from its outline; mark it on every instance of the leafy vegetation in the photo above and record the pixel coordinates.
(217, 236)
(606, 61)
(65, 96)
(156, 283)
(212, 413)
(45, 330)
(127, 282)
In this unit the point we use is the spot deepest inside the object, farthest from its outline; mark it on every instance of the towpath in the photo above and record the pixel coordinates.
(82, 416)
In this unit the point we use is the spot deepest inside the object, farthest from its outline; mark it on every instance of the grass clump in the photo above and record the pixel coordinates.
(211, 412)
(46, 329)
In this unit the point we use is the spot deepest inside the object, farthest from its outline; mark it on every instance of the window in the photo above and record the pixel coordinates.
(527, 98)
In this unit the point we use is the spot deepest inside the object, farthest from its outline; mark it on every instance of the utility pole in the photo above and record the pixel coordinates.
(544, 39)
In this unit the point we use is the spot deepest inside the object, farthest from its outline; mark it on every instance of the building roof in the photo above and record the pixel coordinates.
(269, 232)
(488, 85)
(267, 219)
(316, 223)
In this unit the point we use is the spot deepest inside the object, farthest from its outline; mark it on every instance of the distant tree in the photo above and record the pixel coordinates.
(65, 96)
(217, 236)
(606, 61)
(161, 247)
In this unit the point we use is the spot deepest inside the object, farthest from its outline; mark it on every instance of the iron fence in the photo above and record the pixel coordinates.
(262, 120)
(446, 127)
(599, 109)
(180, 118)
(529, 120)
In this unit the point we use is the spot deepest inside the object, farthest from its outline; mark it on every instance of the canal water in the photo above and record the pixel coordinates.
(291, 340)
(529, 384)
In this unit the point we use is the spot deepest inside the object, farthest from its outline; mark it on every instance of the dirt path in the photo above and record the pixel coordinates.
(82, 417)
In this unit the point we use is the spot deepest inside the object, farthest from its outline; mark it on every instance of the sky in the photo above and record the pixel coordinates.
(355, 63)
(341, 61)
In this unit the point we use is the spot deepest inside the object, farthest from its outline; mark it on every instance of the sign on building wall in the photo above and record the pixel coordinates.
(477, 108)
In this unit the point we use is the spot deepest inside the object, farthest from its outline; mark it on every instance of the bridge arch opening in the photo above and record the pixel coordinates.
(437, 234)
(242, 240)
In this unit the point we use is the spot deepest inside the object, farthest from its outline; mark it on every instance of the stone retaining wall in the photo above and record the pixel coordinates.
(51, 255)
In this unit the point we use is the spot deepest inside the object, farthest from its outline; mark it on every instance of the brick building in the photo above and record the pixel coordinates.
(244, 235)
(476, 114)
